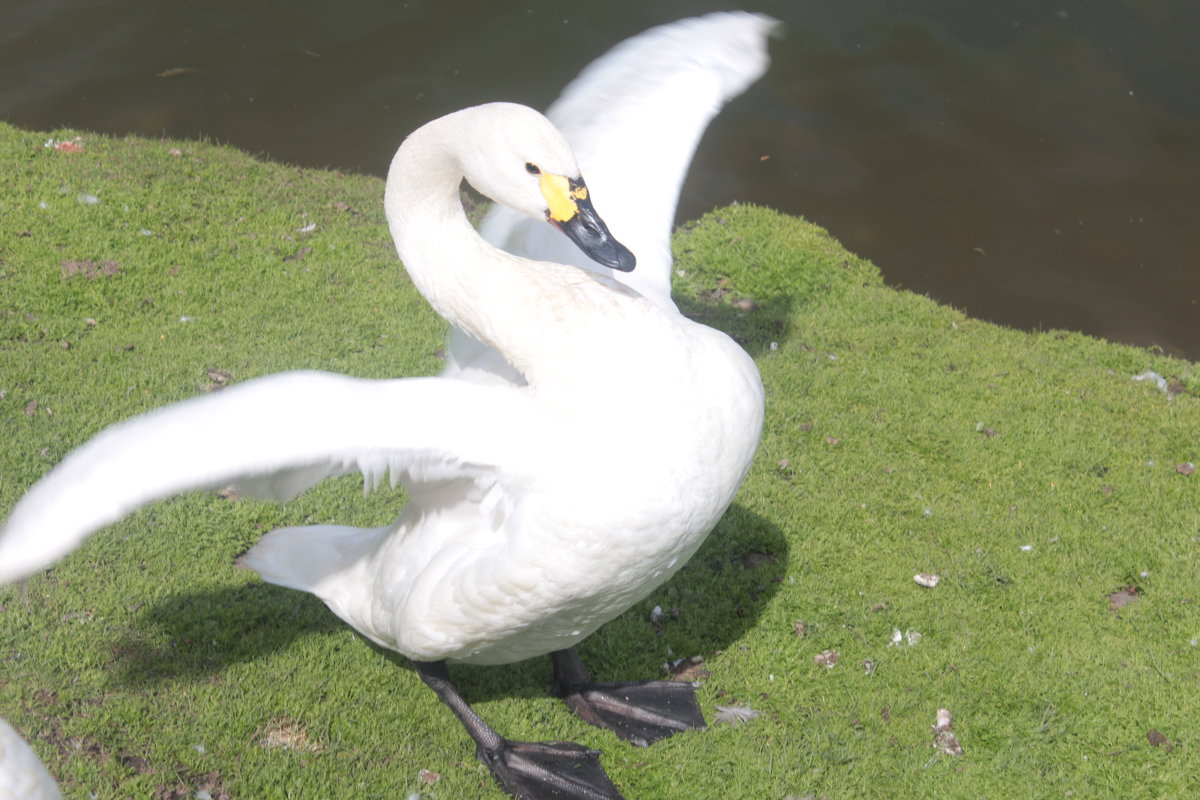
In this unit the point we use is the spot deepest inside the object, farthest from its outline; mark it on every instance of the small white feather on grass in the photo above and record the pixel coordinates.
(734, 715)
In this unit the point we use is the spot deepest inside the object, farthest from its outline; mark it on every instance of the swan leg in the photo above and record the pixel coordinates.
(526, 770)
(640, 712)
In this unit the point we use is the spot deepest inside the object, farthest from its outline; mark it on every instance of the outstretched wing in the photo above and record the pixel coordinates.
(633, 118)
(273, 436)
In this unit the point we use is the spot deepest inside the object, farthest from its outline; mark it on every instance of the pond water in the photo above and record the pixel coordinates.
(1035, 163)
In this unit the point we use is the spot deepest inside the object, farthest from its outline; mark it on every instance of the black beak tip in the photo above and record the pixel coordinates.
(589, 233)
(624, 260)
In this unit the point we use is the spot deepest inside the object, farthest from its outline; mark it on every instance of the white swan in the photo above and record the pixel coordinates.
(22, 774)
(537, 511)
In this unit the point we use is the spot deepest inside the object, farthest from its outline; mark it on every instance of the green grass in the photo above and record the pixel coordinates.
(1026, 469)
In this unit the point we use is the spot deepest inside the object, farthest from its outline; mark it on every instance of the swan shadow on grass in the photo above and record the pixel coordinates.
(769, 321)
(708, 605)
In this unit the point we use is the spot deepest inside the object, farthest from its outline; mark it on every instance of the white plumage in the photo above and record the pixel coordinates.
(640, 107)
(22, 775)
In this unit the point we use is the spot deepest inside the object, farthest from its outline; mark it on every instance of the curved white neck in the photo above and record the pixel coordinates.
(441, 251)
(517, 306)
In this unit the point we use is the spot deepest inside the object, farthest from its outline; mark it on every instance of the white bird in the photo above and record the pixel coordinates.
(540, 507)
(22, 774)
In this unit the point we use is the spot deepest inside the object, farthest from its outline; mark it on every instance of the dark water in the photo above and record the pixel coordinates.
(1035, 163)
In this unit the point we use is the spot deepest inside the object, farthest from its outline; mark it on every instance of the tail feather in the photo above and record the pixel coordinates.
(329, 561)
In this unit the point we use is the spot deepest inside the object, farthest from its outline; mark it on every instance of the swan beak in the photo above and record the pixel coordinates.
(571, 211)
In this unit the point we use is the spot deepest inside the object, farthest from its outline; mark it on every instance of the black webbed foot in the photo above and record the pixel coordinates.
(640, 712)
(549, 771)
(526, 770)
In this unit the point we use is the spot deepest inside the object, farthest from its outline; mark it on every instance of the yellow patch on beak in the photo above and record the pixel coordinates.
(561, 196)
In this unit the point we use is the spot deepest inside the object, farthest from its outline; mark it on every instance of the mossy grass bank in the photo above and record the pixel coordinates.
(1050, 493)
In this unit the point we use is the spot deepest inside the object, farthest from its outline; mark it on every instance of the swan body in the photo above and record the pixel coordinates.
(22, 774)
(536, 513)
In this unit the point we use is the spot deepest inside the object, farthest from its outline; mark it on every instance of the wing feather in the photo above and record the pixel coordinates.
(273, 436)
(634, 117)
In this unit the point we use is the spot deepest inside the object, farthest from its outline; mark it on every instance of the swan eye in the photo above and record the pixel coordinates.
(532, 168)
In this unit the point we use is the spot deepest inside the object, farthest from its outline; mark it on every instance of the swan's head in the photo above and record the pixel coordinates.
(518, 158)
